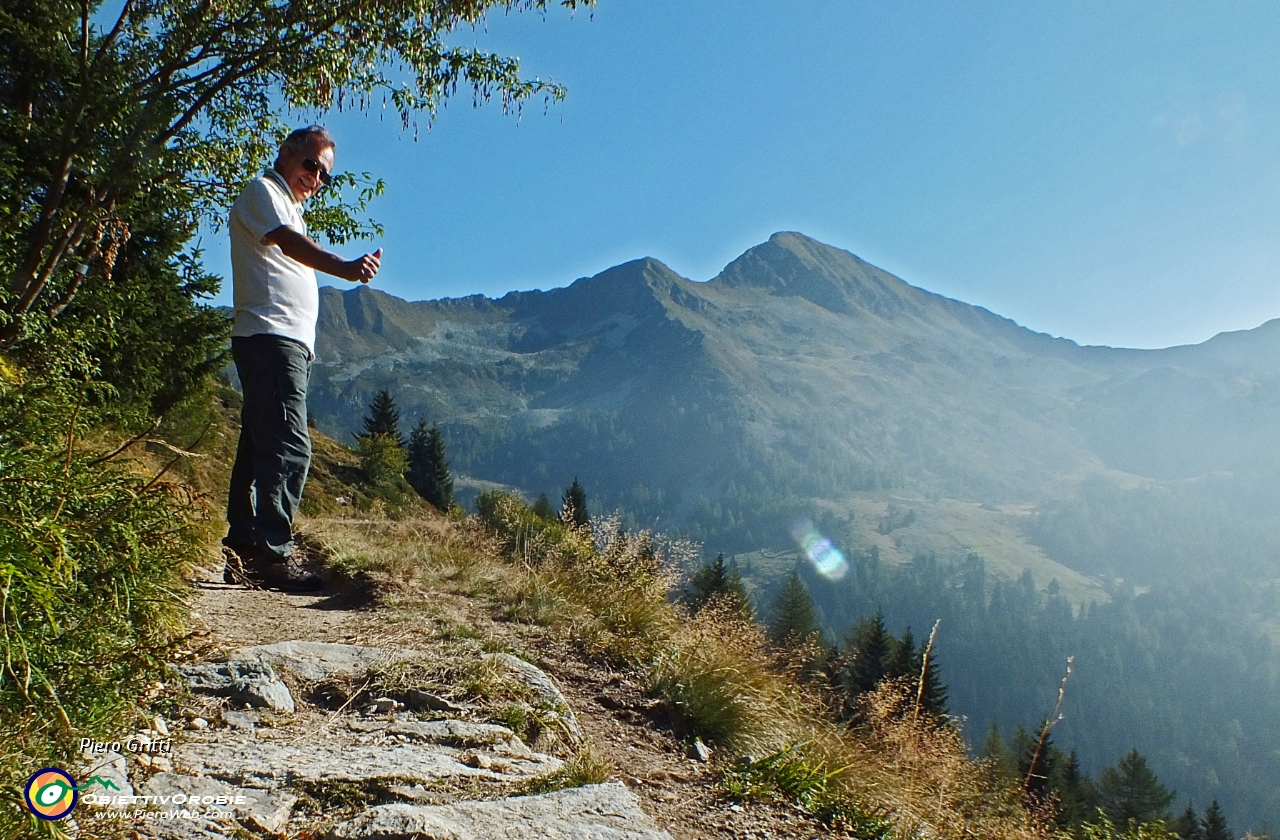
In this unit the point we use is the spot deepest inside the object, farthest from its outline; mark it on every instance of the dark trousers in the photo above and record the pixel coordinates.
(274, 452)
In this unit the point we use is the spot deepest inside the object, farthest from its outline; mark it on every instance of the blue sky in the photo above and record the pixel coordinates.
(1108, 172)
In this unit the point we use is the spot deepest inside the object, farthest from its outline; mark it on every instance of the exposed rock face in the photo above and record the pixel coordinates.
(240, 681)
(594, 812)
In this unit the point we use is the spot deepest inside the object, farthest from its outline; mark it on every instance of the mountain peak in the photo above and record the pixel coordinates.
(792, 264)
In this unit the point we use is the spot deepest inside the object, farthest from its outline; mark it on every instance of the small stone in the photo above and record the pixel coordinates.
(478, 760)
(161, 728)
(425, 701)
(699, 750)
(143, 759)
(735, 807)
(198, 723)
(161, 764)
(142, 738)
(239, 720)
(384, 704)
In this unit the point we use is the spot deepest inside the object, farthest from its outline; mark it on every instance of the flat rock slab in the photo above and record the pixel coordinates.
(240, 681)
(245, 759)
(315, 661)
(452, 733)
(594, 812)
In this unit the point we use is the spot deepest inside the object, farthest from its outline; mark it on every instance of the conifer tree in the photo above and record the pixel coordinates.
(793, 619)
(1187, 825)
(1076, 798)
(574, 508)
(1214, 824)
(994, 750)
(1131, 791)
(384, 418)
(1036, 765)
(721, 579)
(870, 643)
(542, 508)
(903, 659)
(428, 466)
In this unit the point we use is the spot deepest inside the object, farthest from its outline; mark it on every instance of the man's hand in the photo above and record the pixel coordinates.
(363, 269)
(305, 250)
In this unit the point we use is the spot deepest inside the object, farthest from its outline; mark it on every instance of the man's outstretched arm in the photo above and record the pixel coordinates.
(307, 251)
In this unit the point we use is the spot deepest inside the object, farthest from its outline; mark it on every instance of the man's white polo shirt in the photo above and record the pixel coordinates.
(271, 293)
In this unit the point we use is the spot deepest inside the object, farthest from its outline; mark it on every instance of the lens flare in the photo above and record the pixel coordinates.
(825, 557)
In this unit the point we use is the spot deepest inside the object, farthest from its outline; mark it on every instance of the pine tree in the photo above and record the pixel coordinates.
(1076, 798)
(1036, 764)
(1131, 791)
(1187, 825)
(934, 698)
(1214, 824)
(870, 643)
(994, 750)
(718, 578)
(903, 659)
(384, 418)
(428, 467)
(793, 619)
(542, 508)
(574, 508)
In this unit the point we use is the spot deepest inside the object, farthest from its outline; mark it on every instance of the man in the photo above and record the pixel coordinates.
(273, 265)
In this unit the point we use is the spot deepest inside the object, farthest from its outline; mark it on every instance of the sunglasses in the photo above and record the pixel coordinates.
(313, 165)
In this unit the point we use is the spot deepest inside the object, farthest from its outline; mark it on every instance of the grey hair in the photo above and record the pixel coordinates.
(297, 139)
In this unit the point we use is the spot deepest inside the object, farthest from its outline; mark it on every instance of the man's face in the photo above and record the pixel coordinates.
(291, 166)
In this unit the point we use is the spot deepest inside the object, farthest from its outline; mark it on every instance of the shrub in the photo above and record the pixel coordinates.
(91, 592)
(381, 458)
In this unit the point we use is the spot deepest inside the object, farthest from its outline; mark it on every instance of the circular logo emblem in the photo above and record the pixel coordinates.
(50, 793)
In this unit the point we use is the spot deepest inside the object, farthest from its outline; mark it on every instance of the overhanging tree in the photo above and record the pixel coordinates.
(105, 107)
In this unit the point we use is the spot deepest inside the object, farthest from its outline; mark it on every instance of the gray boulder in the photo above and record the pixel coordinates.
(240, 681)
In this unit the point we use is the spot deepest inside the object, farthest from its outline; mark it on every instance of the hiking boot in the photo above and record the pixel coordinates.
(239, 566)
(286, 575)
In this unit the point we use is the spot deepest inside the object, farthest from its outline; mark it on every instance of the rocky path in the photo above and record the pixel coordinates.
(267, 753)
(284, 743)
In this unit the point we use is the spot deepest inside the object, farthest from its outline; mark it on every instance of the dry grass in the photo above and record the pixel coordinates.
(898, 774)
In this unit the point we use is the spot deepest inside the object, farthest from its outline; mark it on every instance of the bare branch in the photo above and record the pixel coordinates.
(114, 33)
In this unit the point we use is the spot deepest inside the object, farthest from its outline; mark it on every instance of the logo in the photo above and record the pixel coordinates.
(51, 793)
